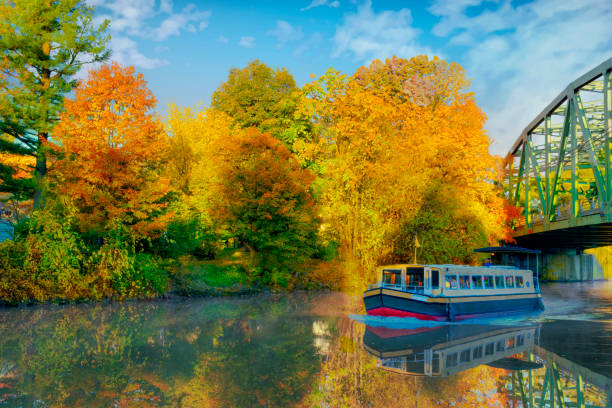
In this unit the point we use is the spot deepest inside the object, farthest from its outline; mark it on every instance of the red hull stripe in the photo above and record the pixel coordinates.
(385, 332)
(490, 314)
(386, 311)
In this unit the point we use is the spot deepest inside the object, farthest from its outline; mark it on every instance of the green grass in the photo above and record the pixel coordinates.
(224, 274)
(221, 276)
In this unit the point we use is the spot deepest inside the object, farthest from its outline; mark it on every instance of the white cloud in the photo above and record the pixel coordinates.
(312, 41)
(146, 19)
(285, 32)
(318, 3)
(223, 39)
(189, 19)
(166, 6)
(368, 35)
(247, 42)
(520, 58)
(125, 51)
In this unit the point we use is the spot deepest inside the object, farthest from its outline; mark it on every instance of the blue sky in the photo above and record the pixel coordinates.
(519, 54)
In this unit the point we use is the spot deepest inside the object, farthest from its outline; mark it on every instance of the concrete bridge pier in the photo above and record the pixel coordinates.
(551, 264)
(569, 265)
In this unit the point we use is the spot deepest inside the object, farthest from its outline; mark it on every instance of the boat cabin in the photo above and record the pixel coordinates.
(454, 280)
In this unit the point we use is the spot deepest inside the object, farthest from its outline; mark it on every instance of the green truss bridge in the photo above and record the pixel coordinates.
(559, 170)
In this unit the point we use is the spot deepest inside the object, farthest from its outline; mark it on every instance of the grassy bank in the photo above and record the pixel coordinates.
(230, 274)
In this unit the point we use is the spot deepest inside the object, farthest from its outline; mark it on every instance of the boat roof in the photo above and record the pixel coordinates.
(440, 266)
(474, 268)
(508, 249)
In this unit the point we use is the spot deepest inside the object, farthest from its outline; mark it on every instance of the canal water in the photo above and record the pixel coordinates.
(306, 350)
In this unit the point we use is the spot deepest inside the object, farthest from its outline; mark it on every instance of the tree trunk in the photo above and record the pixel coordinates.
(40, 171)
(251, 253)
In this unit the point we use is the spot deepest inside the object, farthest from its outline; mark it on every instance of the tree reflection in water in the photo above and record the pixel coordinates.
(272, 351)
(351, 377)
(157, 354)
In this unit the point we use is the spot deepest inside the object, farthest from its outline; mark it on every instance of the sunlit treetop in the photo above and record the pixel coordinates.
(258, 96)
(420, 80)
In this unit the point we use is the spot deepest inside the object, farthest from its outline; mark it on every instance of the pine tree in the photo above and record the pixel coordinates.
(43, 44)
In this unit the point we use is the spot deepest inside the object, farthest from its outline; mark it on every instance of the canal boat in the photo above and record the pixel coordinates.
(443, 351)
(452, 292)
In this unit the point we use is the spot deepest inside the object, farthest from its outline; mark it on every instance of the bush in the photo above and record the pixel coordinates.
(119, 270)
(327, 251)
(187, 236)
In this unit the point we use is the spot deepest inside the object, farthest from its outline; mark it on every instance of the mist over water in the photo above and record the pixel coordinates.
(303, 349)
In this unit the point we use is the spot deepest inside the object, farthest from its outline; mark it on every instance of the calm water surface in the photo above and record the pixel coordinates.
(307, 350)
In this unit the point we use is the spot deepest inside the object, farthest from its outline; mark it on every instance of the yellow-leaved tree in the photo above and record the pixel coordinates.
(398, 144)
(192, 168)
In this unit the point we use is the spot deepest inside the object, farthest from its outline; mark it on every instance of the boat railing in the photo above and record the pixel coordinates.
(410, 289)
(391, 286)
(415, 289)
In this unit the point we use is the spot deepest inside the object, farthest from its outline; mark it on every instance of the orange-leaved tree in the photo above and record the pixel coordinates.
(265, 199)
(112, 148)
(392, 137)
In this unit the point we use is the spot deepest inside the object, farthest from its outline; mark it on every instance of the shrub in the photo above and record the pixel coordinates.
(187, 236)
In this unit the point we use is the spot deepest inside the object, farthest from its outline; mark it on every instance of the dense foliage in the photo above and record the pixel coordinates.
(272, 180)
(403, 153)
(42, 46)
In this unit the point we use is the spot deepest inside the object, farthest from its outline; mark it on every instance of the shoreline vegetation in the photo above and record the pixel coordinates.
(317, 184)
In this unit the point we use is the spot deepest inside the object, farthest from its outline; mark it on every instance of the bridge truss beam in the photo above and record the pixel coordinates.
(559, 169)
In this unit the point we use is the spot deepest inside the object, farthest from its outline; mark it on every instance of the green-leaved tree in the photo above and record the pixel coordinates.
(43, 44)
(258, 96)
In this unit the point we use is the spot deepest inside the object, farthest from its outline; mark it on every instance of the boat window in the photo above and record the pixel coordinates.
(489, 349)
(477, 282)
(451, 282)
(392, 277)
(435, 279)
(465, 355)
(510, 343)
(415, 279)
(520, 340)
(499, 282)
(509, 282)
(519, 281)
(477, 352)
(499, 346)
(451, 360)
(488, 282)
(435, 364)
(464, 281)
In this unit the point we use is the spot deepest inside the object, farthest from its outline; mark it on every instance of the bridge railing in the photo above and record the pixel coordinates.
(562, 212)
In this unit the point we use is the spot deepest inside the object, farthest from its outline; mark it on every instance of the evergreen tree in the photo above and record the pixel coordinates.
(43, 44)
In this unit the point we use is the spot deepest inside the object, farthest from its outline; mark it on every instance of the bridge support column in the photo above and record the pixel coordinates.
(569, 265)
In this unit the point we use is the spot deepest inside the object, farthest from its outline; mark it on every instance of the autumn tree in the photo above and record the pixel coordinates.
(113, 148)
(192, 168)
(373, 172)
(194, 134)
(265, 199)
(387, 137)
(42, 45)
(258, 96)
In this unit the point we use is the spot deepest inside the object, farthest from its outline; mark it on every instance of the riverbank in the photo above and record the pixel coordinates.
(229, 274)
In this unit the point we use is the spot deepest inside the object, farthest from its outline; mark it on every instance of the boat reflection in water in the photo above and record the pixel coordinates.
(446, 350)
(536, 376)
